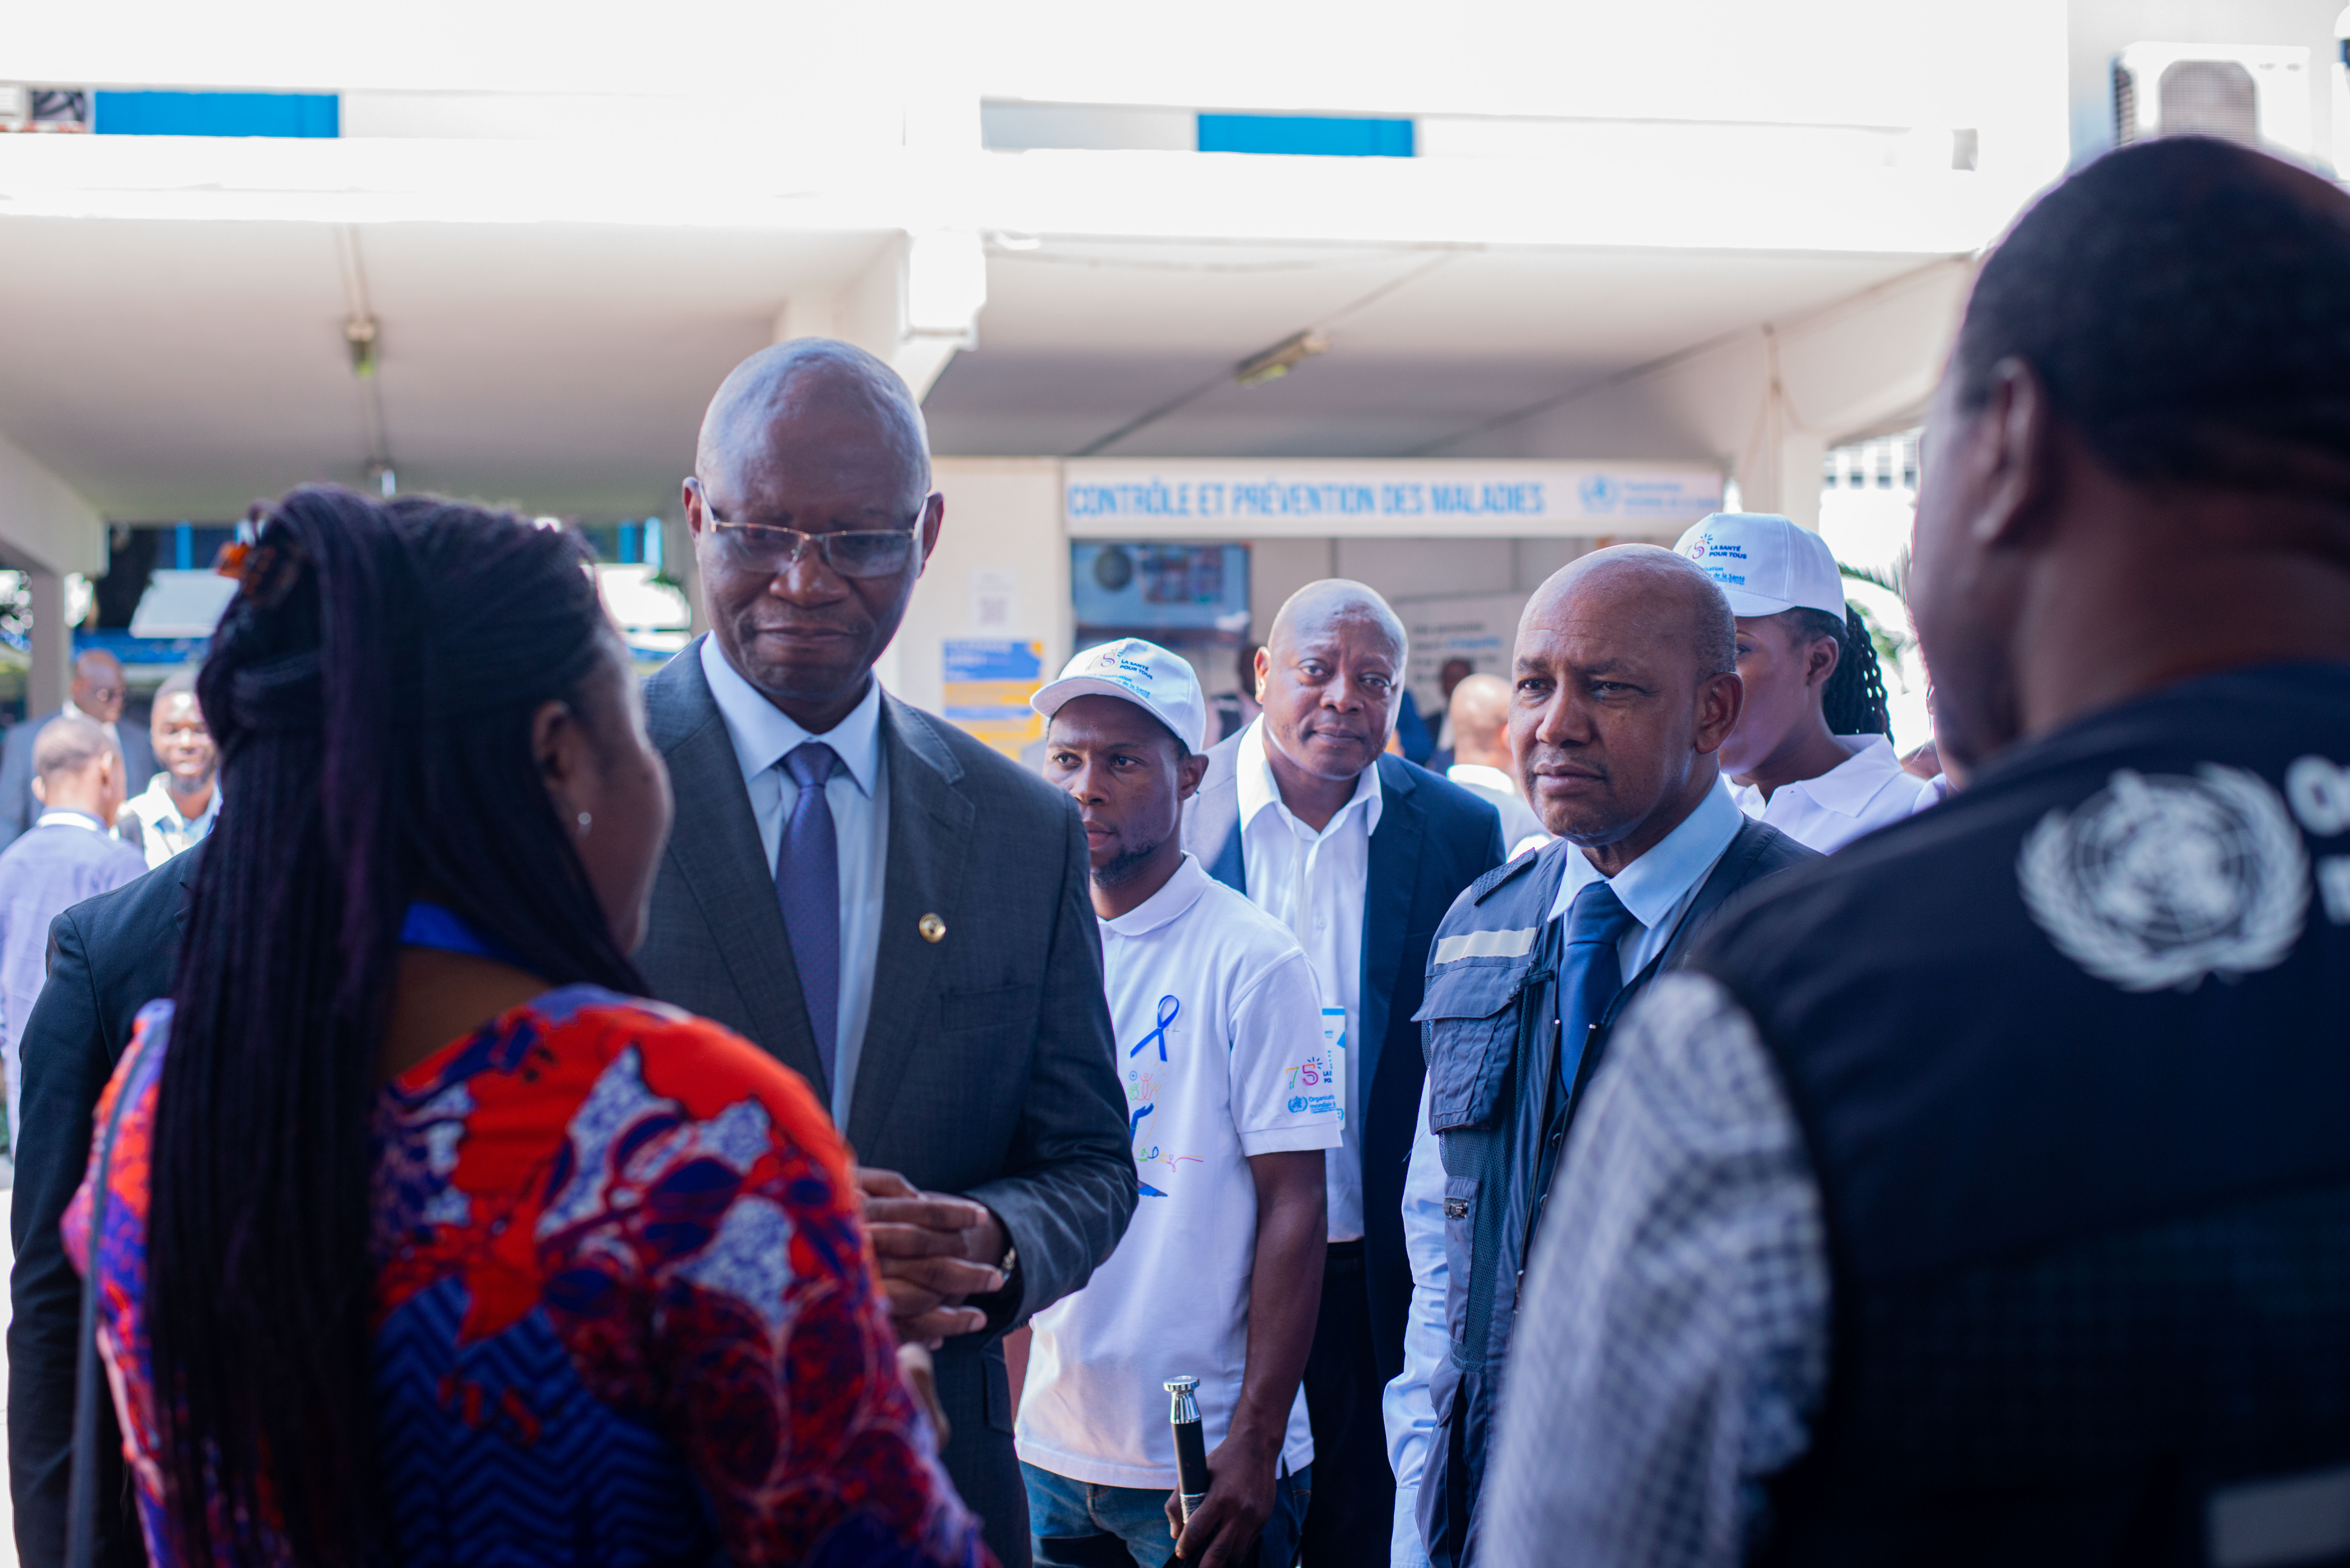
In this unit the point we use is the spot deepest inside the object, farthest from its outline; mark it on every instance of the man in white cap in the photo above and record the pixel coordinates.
(1230, 1105)
(1813, 754)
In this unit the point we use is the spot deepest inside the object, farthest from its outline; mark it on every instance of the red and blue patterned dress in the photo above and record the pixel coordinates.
(625, 1311)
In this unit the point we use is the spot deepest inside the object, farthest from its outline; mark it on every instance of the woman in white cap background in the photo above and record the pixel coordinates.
(1812, 753)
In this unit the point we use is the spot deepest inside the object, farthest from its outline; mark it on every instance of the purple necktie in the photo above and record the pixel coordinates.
(807, 886)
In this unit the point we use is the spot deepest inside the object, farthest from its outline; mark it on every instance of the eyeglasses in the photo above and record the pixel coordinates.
(858, 553)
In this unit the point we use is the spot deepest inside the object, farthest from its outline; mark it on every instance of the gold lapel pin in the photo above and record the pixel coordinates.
(933, 929)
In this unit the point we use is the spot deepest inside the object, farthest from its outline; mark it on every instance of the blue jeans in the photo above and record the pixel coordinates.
(1078, 1525)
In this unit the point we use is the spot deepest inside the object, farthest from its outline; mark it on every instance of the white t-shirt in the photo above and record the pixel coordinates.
(1863, 792)
(1219, 1030)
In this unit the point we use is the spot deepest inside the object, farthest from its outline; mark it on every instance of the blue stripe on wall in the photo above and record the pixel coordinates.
(301, 114)
(1313, 136)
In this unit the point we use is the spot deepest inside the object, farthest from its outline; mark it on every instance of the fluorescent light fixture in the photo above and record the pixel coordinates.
(1276, 362)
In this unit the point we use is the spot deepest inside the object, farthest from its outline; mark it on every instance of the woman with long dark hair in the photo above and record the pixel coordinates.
(1813, 752)
(418, 1239)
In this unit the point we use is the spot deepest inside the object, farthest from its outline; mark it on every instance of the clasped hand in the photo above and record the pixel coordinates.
(935, 1252)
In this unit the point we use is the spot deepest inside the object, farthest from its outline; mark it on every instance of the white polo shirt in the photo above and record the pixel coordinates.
(1860, 794)
(1219, 1031)
(1314, 883)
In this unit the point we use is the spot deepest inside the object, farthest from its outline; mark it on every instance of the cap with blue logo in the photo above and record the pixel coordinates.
(1764, 562)
(1159, 682)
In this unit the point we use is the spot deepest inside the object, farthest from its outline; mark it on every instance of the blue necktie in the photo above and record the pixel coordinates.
(807, 886)
(1589, 975)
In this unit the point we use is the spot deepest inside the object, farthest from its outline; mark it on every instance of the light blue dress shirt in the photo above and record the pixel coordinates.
(1656, 890)
(858, 796)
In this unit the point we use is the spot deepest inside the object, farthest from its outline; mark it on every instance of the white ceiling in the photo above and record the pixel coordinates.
(175, 369)
(169, 369)
(1080, 338)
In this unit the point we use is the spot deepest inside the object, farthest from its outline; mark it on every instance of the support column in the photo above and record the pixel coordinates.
(913, 307)
(52, 644)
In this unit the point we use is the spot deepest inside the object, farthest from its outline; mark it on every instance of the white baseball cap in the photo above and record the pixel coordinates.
(1159, 682)
(1765, 564)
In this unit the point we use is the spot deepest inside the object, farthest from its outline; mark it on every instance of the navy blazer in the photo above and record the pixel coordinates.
(1434, 839)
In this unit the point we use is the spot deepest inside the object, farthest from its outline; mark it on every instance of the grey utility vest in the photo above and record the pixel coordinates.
(1490, 1029)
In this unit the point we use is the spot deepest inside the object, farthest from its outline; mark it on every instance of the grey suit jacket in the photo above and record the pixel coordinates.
(989, 1067)
(19, 810)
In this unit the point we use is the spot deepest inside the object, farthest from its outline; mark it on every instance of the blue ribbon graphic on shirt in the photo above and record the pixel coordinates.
(1169, 1010)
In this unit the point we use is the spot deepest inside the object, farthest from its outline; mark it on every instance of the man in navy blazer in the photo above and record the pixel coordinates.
(1359, 853)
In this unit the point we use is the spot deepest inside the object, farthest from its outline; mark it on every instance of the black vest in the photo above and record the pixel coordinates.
(2071, 1055)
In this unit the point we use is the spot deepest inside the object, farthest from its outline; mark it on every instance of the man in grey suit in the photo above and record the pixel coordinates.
(96, 693)
(895, 911)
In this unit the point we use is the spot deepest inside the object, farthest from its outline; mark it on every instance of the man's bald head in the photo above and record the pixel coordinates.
(1655, 590)
(1625, 687)
(812, 381)
(1334, 600)
(1328, 677)
(1481, 718)
(806, 442)
(66, 746)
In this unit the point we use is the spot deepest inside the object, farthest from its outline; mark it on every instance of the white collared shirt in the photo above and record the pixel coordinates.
(857, 795)
(1656, 891)
(1315, 883)
(165, 832)
(1866, 791)
(1478, 775)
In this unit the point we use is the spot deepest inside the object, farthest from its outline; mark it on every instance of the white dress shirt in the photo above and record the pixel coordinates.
(165, 832)
(859, 799)
(1315, 883)
(1656, 890)
(1865, 792)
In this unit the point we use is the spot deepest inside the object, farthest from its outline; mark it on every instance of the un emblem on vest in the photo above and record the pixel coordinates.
(2158, 880)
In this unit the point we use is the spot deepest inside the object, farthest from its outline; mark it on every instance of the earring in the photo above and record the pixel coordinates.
(586, 822)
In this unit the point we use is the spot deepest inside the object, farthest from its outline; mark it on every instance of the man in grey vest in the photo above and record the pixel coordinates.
(1625, 686)
(2039, 1096)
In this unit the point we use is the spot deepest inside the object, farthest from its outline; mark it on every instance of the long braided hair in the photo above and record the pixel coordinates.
(372, 688)
(1854, 701)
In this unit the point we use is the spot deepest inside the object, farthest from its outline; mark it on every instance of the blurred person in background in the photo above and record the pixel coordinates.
(890, 908)
(1983, 1196)
(1219, 1275)
(1625, 684)
(1358, 853)
(1449, 677)
(181, 803)
(1238, 714)
(404, 998)
(1478, 719)
(1812, 754)
(70, 854)
(96, 693)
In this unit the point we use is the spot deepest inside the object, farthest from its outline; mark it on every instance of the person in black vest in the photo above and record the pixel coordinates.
(1986, 1198)
(1626, 685)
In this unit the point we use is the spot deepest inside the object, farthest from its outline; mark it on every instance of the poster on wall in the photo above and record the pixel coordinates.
(1478, 628)
(987, 684)
(1152, 590)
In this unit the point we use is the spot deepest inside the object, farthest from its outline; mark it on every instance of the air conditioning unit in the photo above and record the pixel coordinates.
(2257, 94)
